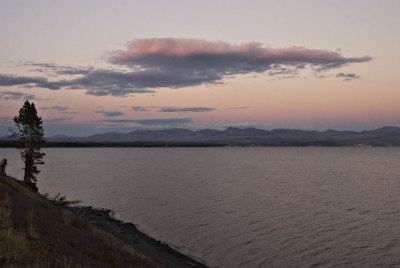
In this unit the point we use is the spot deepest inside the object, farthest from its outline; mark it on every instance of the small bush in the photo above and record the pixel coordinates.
(60, 200)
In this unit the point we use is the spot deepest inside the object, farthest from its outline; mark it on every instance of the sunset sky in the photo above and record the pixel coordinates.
(100, 66)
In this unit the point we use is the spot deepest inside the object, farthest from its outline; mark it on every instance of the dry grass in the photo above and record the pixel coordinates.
(5, 212)
(15, 249)
(30, 226)
(66, 219)
(76, 221)
(117, 252)
(35, 233)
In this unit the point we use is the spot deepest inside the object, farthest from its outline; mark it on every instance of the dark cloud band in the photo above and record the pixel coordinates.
(110, 113)
(186, 109)
(151, 122)
(140, 109)
(12, 95)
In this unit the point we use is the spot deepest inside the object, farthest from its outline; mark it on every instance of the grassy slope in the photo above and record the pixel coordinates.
(36, 233)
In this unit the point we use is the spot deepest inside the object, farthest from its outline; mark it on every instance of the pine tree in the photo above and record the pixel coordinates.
(30, 133)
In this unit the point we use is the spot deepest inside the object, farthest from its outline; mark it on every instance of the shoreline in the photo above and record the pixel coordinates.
(129, 234)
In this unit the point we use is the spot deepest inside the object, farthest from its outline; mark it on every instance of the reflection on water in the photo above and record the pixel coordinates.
(243, 206)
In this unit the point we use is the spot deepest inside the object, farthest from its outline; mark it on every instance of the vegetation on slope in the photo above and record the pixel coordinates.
(34, 232)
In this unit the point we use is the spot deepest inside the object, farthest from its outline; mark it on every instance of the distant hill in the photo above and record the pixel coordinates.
(385, 136)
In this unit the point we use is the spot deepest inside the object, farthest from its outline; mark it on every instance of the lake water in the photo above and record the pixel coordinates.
(243, 207)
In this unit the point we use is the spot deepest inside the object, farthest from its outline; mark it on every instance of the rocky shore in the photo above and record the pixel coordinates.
(129, 234)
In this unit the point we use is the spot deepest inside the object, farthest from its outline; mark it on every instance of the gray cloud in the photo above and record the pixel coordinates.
(151, 122)
(140, 108)
(62, 109)
(347, 77)
(12, 95)
(103, 83)
(55, 108)
(108, 82)
(110, 113)
(185, 109)
(286, 70)
(11, 80)
(176, 63)
(238, 108)
(58, 119)
(59, 69)
(97, 83)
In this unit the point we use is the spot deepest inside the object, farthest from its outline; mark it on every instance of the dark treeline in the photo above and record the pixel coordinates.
(12, 144)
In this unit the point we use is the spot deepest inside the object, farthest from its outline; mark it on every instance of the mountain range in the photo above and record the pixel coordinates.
(385, 136)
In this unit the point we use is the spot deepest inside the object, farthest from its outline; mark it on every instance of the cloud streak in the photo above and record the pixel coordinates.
(58, 69)
(57, 119)
(152, 121)
(12, 80)
(140, 109)
(347, 77)
(61, 109)
(110, 113)
(55, 108)
(175, 63)
(238, 108)
(185, 109)
(12, 95)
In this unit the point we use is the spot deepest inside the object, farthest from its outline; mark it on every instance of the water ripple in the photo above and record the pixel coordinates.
(244, 207)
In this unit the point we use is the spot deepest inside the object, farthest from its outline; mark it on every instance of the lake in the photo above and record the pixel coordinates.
(242, 207)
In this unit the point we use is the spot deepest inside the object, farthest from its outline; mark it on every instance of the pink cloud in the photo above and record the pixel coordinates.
(180, 48)
(139, 49)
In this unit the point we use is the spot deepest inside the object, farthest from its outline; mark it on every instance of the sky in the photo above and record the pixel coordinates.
(97, 66)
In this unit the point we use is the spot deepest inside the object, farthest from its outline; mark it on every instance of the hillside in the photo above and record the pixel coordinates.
(385, 136)
(35, 232)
